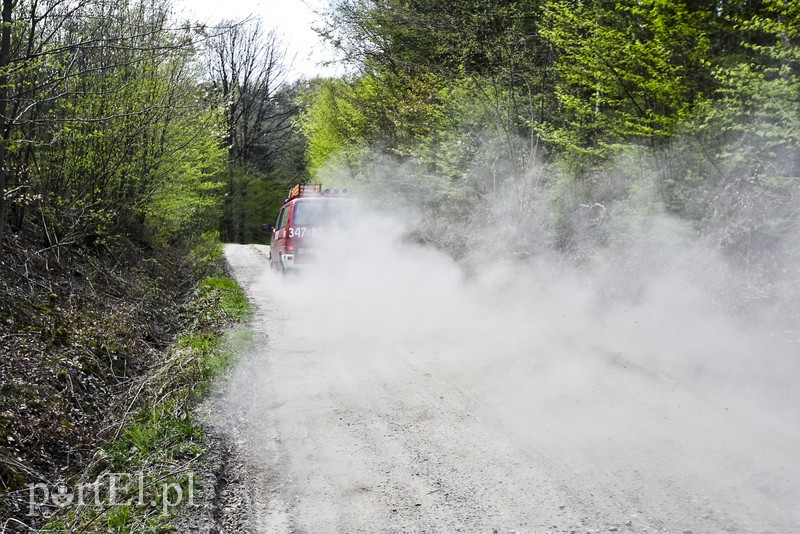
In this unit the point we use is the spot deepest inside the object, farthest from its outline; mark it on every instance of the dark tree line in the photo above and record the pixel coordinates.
(248, 75)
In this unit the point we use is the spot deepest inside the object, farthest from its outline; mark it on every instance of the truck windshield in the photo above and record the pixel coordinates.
(322, 212)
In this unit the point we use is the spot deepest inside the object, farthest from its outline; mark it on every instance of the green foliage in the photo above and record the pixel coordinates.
(422, 118)
(205, 254)
(579, 78)
(629, 74)
(124, 143)
(251, 200)
(756, 116)
(186, 200)
(231, 300)
(335, 126)
(436, 78)
(153, 431)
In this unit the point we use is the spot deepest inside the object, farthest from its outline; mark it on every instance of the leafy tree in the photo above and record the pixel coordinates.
(95, 92)
(628, 72)
(246, 69)
(757, 110)
(743, 184)
(335, 126)
(185, 199)
(497, 50)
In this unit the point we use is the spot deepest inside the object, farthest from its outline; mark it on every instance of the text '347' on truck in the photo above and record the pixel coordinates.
(309, 215)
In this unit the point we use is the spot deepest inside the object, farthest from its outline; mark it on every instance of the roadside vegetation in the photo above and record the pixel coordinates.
(117, 182)
(102, 381)
(159, 446)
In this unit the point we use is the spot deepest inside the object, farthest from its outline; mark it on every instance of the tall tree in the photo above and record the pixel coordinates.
(246, 67)
(248, 76)
(5, 52)
(497, 49)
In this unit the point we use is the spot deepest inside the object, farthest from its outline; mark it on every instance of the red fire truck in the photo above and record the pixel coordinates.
(306, 217)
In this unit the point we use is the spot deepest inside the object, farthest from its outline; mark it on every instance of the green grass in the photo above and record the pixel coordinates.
(233, 303)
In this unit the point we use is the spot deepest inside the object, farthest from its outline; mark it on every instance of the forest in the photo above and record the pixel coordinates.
(130, 139)
(121, 120)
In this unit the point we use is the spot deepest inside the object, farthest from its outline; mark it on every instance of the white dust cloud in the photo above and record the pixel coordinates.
(632, 350)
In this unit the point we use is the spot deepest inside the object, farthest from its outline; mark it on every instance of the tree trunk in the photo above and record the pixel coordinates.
(5, 51)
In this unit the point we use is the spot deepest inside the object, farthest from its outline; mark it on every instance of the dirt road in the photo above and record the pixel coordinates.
(368, 408)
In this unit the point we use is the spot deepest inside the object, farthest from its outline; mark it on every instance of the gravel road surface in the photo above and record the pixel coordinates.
(373, 407)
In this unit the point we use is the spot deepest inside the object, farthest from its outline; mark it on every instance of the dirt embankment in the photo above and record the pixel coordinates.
(77, 327)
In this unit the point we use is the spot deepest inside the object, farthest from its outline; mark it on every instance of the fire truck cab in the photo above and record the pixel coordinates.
(306, 217)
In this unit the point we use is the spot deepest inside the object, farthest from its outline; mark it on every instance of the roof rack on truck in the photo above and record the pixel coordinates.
(305, 190)
(315, 190)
